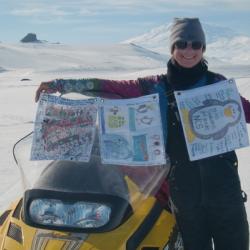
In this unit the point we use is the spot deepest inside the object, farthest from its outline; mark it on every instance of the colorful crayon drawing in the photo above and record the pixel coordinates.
(140, 148)
(213, 119)
(131, 131)
(116, 147)
(64, 129)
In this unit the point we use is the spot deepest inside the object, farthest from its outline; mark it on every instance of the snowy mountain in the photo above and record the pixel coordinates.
(235, 50)
(223, 43)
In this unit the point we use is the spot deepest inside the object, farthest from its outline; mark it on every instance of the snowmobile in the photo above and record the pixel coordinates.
(73, 205)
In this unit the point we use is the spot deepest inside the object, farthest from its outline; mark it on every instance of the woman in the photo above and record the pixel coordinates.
(206, 194)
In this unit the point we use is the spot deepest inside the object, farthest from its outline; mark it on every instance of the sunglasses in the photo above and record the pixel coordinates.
(184, 44)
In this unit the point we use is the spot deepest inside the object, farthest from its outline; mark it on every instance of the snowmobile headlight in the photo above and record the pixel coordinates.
(53, 212)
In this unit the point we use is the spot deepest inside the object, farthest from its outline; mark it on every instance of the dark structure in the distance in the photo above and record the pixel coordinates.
(30, 38)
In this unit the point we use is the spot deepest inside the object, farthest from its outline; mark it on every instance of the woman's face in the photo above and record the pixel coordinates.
(187, 57)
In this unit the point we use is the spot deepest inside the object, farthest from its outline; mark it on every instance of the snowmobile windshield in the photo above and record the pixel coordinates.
(131, 183)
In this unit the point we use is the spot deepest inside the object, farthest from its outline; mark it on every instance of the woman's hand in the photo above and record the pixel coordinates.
(45, 87)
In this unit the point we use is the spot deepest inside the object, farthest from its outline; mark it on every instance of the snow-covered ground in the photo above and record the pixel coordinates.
(24, 66)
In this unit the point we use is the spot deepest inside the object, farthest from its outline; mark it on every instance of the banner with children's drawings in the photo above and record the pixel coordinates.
(130, 130)
(64, 129)
(213, 119)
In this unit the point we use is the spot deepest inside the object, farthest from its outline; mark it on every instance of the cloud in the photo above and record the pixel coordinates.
(33, 12)
(81, 11)
(98, 7)
(124, 17)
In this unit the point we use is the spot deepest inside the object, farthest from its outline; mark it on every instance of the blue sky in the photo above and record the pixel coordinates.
(110, 21)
